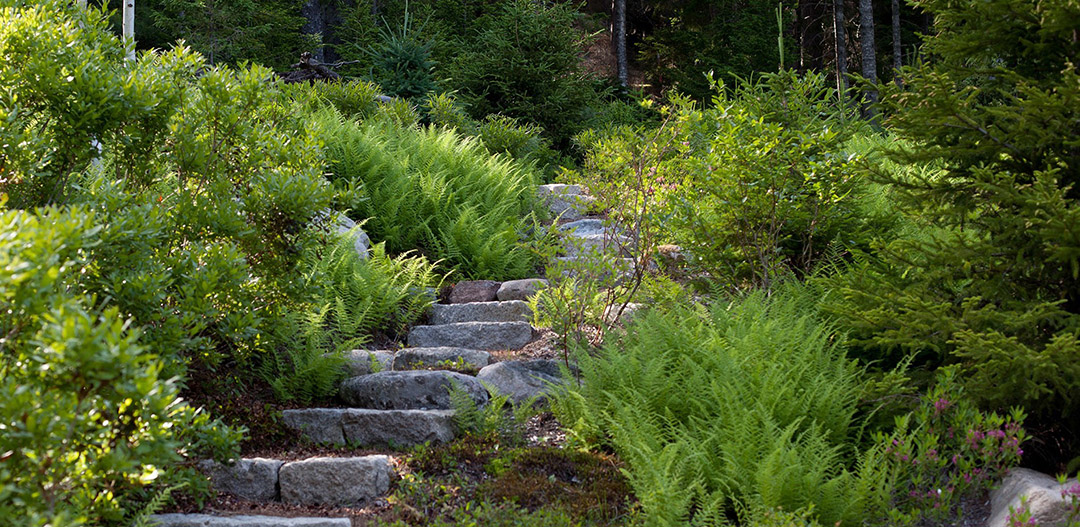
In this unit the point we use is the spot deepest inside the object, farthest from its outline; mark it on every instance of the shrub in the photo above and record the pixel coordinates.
(431, 190)
(401, 63)
(75, 456)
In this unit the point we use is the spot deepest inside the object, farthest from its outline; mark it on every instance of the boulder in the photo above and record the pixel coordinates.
(320, 425)
(487, 336)
(409, 390)
(349, 229)
(520, 289)
(508, 311)
(363, 362)
(1046, 498)
(420, 358)
(397, 427)
(253, 479)
(206, 520)
(474, 291)
(522, 380)
(565, 201)
(337, 482)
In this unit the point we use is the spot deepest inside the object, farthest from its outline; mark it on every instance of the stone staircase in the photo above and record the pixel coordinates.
(399, 398)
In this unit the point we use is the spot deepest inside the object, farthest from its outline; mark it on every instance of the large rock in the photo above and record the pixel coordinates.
(321, 425)
(409, 390)
(583, 227)
(372, 427)
(349, 229)
(206, 520)
(520, 289)
(338, 482)
(474, 291)
(522, 380)
(565, 201)
(397, 427)
(487, 336)
(420, 358)
(1045, 500)
(509, 311)
(253, 479)
(363, 362)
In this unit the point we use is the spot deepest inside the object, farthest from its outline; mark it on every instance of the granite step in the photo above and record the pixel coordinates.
(508, 311)
(486, 336)
(409, 390)
(209, 520)
(366, 427)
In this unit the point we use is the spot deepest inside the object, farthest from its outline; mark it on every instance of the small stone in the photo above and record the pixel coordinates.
(206, 520)
(508, 311)
(363, 362)
(337, 482)
(474, 291)
(522, 380)
(1045, 501)
(444, 357)
(520, 289)
(409, 390)
(397, 427)
(251, 479)
(487, 336)
(321, 425)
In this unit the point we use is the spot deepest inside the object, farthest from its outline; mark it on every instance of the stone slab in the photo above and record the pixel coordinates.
(338, 482)
(363, 362)
(397, 427)
(421, 358)
(409, 390)
(486, 336)
(252, 479)
(207, 520)
(474, 291)
(508, 311)
(522, 380)
(520, 289)
(1045, 502)
(320, 425)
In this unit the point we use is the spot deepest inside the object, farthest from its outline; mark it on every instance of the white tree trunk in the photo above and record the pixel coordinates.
(129, 28)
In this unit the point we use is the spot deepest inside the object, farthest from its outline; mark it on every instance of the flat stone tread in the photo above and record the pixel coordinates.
(366, 427)
(496, 311)
(208, 520)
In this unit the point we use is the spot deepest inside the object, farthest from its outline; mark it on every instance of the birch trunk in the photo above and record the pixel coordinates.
(129, 28)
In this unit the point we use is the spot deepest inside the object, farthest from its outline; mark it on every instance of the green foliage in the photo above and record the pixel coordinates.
(352, 99)
(76, 456)
(752, 188)
(772, 409)
(402, 64)
(430, 189)
(523, 63)
(732, 39)
(994, 289)
(497, 418)
(265, 32)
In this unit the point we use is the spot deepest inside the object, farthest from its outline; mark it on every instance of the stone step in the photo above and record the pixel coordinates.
(583, 227)
(342, 482)
(565, 201)
(486, 336)
(335, 481)
(522, 380)
(364, 427)
(520, 289)
(440, 357)
(207, 520)
(595, 244)
(363, 362)
(508, 311)
(409, 390)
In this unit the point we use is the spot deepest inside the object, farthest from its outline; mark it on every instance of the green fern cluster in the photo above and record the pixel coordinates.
(498, 417)
(431, 189)
(354, 298)
(743, 407)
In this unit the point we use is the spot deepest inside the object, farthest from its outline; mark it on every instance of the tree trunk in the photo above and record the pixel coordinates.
(841, 47)
(619, 30)
(869, 53)
(129, 28)
(897, 53)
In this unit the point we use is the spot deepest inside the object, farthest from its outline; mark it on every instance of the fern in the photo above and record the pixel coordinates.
(142, 517)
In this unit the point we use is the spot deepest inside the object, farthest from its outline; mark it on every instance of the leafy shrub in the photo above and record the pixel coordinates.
(402, 64)
(75, 456)
(352, 99)
(752, 188)
(430, 189)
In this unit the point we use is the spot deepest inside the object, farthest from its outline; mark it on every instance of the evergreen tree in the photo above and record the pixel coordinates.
(997, 289)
